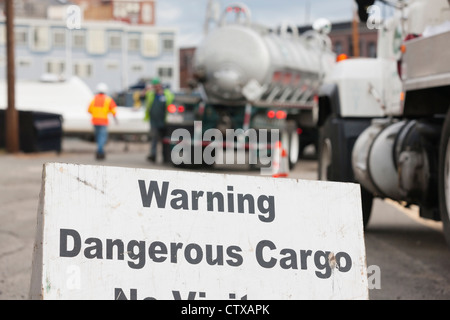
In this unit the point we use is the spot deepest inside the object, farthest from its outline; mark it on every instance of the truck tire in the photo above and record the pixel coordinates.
(291, 141)
(444, 178)
(335, 159)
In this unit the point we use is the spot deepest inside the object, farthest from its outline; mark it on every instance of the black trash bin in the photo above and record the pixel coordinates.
(38, 131)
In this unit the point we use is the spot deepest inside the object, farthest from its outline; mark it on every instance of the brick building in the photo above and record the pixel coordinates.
(342, 39)
(186, 66)
(140, 12)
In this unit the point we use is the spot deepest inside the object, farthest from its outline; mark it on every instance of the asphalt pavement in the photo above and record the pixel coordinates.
(20, 184)
(411, 253)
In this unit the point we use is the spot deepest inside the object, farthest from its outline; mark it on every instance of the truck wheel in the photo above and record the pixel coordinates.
(333, 162)
(444, 178)
(294, 148)
(291, 141)
(325, 160)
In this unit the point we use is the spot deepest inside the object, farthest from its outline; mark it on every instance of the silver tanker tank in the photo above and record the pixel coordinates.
(275, 66)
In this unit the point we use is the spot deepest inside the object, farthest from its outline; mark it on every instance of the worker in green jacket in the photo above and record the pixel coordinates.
(157, 99)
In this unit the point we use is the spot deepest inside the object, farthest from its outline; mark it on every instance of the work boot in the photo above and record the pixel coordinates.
(100, 156)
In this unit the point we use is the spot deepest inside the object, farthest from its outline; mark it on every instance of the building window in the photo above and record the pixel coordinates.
(21, 36)
(79, 39)
(187, 61)
(165, 72)
(115, 41)
(82, 69)
(23, 62)
(372, 50)
(59, 38)
(168, 45)
(147, 13)
(112, 65)
(350, 46)
(124, 10)
(137, 67)
(134, 43)
(150, 47)
(41, 38)
(338, 47)
(57, 67)
(96, 43)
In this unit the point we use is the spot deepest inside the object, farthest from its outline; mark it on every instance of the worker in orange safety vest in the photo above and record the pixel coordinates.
(101, 106)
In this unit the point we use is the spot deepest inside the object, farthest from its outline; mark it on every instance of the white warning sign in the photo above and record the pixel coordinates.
(115, 233)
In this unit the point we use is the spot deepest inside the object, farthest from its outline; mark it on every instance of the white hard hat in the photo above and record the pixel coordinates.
(102, 88)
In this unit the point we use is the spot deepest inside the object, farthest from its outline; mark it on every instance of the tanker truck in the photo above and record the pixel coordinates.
(385, 122)
(253, 77)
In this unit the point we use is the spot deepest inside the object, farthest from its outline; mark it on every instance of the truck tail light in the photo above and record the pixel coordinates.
(172, 108)
(281, 115)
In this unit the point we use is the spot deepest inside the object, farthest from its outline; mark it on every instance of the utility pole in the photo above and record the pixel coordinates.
(12, 116)
(355, 28)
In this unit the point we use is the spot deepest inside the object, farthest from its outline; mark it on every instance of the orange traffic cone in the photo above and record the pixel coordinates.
(280, 162)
